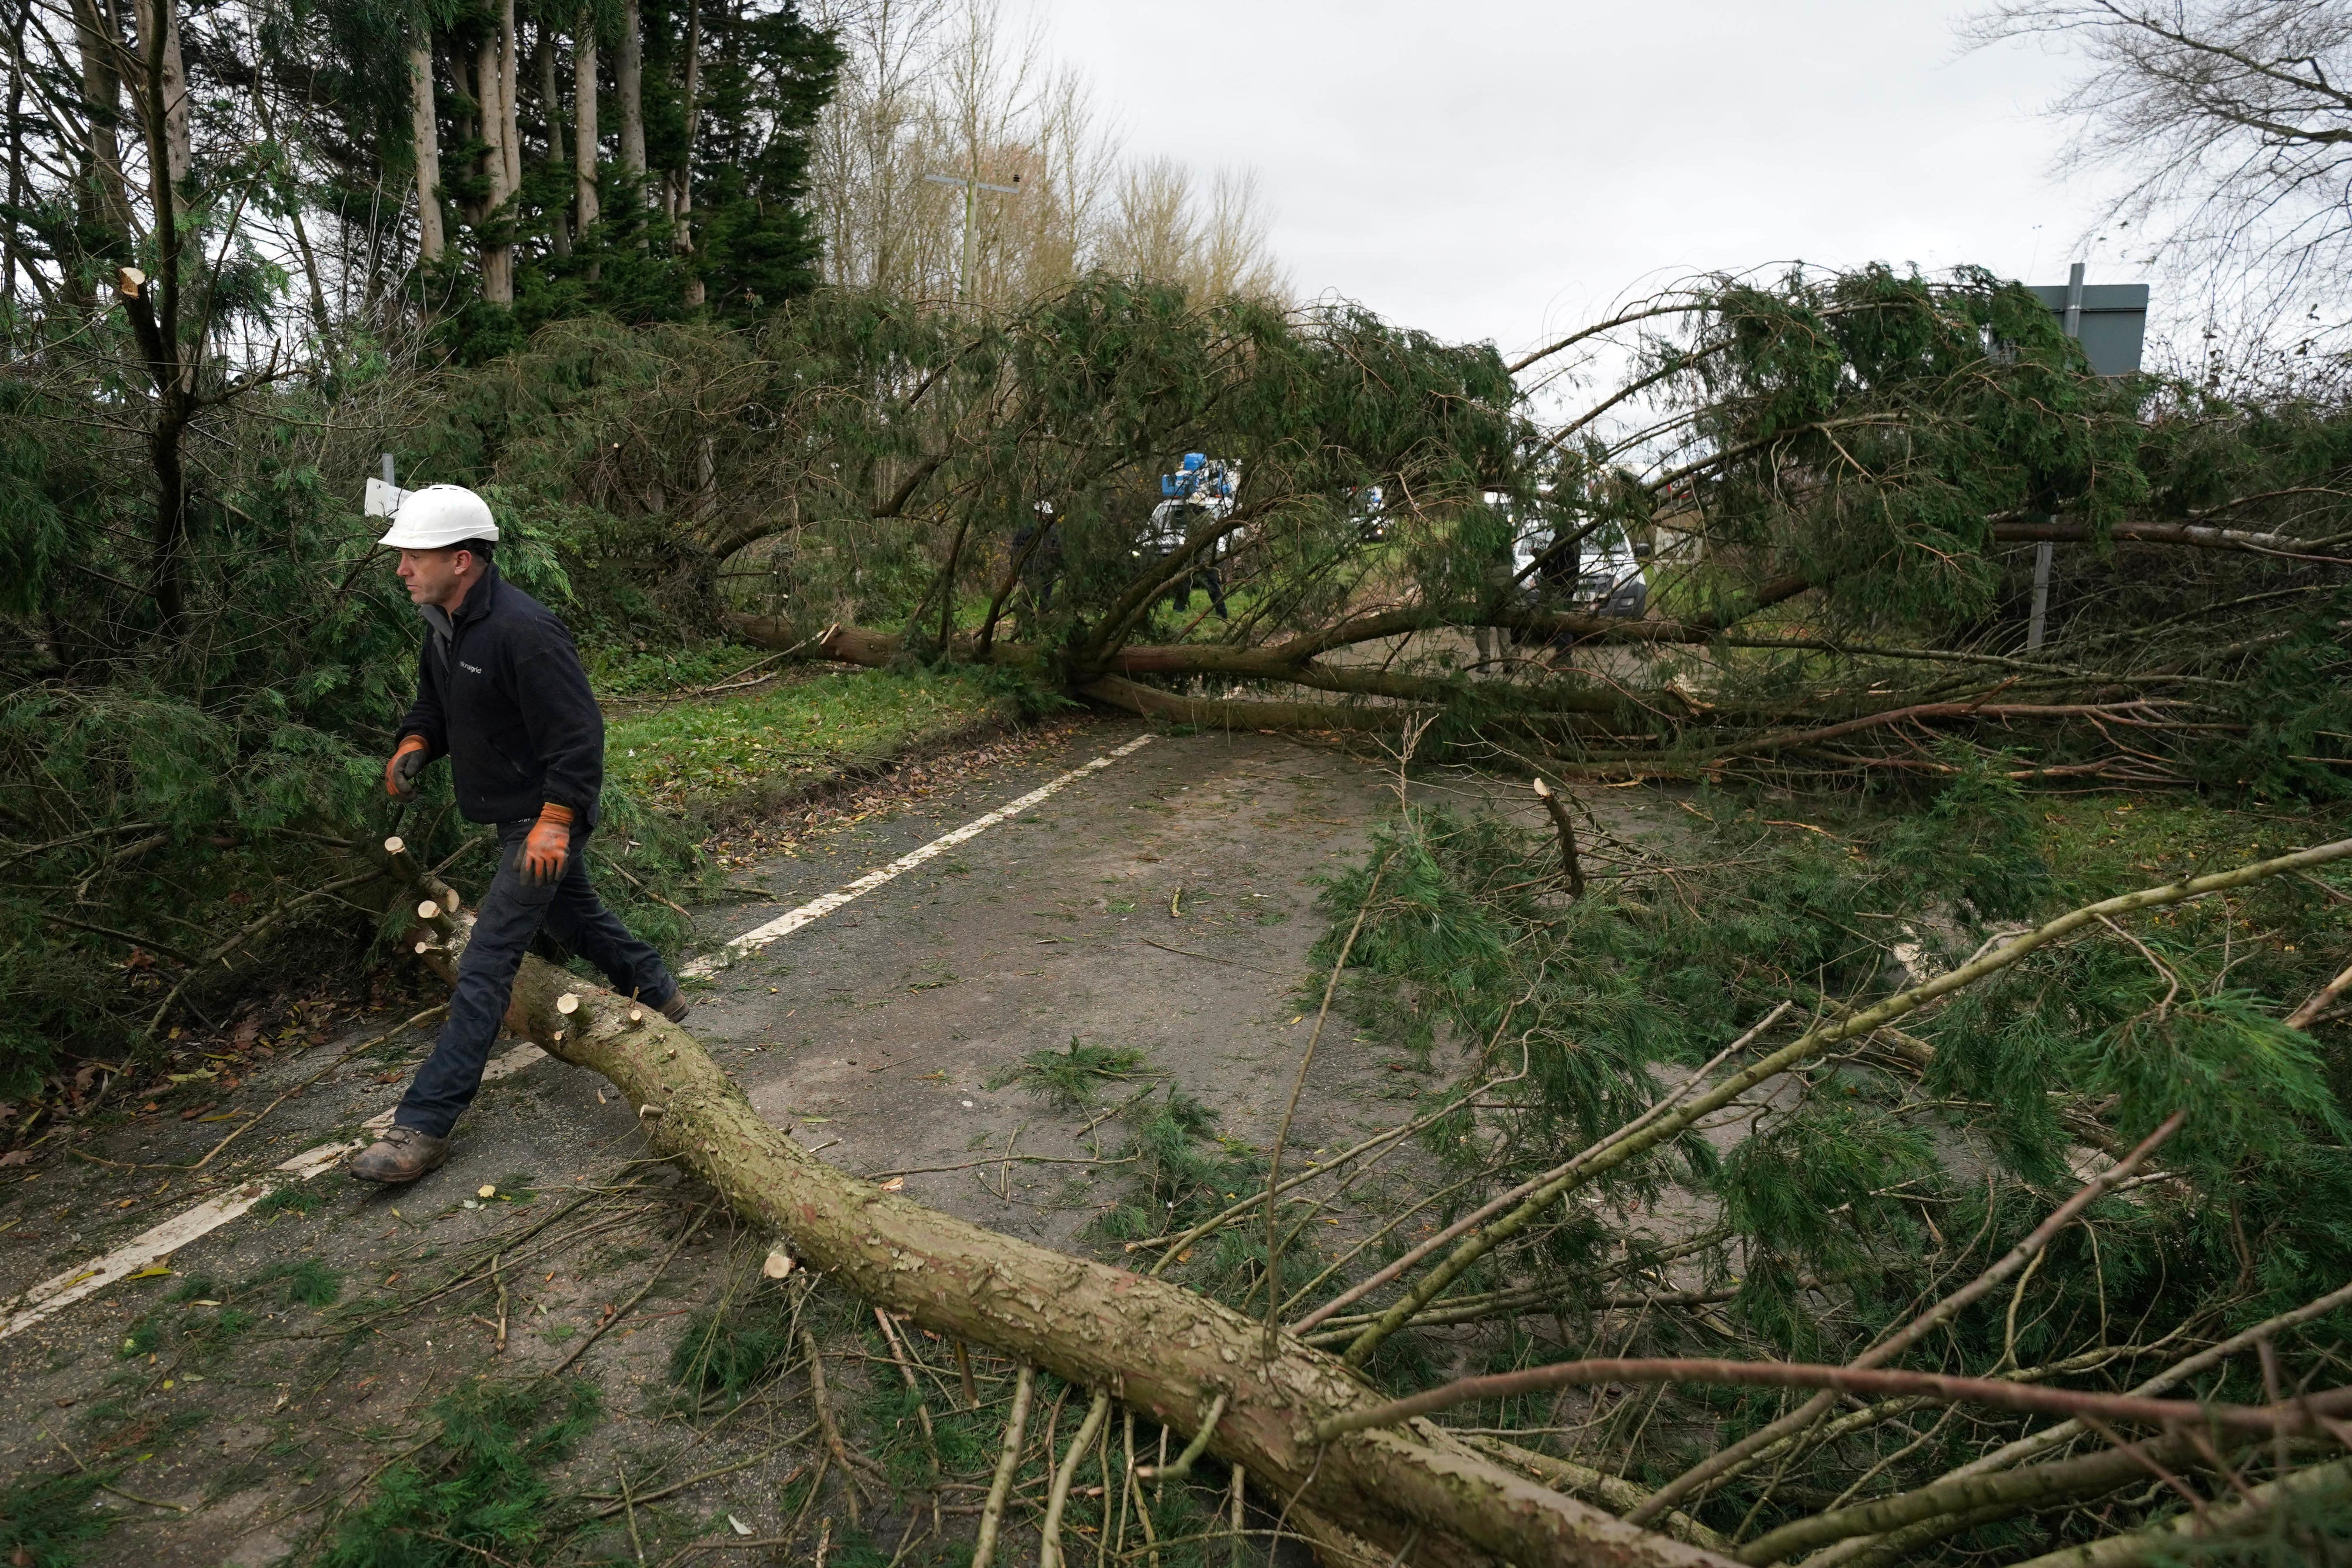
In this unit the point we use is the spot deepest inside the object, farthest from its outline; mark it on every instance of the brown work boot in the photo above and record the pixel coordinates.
(402, 1154)
(676, 1007)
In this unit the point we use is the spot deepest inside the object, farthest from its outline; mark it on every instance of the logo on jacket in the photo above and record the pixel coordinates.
(475, 667)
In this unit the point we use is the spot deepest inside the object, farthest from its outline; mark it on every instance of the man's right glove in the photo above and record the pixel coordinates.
(400, 774)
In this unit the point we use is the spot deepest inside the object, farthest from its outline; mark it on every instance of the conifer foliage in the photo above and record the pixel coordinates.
(1826, 1210)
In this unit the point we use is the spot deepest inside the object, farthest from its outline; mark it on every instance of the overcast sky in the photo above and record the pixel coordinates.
(1499, 168)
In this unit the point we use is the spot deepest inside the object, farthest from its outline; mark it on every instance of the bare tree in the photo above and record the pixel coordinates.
(2233, 121)
(1236, 255)
(1154, 233)
(931, 87)
(1075, 159)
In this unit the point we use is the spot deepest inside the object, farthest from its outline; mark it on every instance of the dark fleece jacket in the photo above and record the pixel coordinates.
(501, 694)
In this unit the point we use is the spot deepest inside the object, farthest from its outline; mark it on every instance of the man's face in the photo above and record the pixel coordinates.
(436, 576)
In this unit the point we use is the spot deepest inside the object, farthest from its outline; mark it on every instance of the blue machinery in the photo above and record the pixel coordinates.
(1198, 480)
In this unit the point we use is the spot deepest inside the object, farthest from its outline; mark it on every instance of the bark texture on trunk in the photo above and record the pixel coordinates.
(104, 201)
(162, 17)
(153, 308)
(629, 87)
(583, 122)
(1154, 1346)
(550, 107)
(684, 210)
(509, 136)
(16, 166)
(489, 90)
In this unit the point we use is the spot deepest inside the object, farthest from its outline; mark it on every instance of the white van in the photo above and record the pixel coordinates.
(1611, 579)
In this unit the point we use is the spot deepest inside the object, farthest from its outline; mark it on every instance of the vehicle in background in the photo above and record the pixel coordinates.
(1201, 487)
(1607, 575)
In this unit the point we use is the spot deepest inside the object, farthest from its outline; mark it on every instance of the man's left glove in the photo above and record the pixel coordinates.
(548, 845)
(400, 774)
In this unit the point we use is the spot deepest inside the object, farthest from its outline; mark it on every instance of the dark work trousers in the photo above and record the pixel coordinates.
(504, 923)
(1180, 592)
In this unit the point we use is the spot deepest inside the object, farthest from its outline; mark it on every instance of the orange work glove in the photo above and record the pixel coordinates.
(400, 774)
(548, 845)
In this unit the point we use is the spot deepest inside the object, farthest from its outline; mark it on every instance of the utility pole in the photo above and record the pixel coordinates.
(972, 185)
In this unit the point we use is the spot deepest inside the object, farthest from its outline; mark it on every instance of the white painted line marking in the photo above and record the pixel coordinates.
(758, 937)
(507, 1066)
(151, 1246)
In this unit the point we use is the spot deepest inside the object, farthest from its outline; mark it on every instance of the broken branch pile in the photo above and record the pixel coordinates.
(1829, 527)
(1369, 1482)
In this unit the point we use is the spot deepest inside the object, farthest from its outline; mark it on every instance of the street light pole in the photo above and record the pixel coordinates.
(971, 186)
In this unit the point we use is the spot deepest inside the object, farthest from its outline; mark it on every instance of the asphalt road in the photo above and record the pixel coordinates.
(1165, 904)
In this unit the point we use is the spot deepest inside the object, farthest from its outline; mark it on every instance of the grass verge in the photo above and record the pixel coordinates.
(701, 759)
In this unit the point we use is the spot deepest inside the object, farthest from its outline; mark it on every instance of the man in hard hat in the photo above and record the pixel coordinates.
(501, 694)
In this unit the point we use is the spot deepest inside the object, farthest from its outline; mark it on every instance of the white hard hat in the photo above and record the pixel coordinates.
(439, 516)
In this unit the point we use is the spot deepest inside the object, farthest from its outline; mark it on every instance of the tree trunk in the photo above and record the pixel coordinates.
(509, 134)
(1156, 1347)
(684, 234)
(161, 18)
(583, 122)
(153, 307)
(104, 202)
(497, 249)
(629, 87)
(551, 104)
(425, 127)
(16, 161)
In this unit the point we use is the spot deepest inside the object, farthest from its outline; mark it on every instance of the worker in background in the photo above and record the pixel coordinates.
(1163, 536)
(1040, 564)
(502, 695)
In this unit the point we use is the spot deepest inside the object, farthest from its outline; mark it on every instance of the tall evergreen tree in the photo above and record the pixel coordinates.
(763, 85)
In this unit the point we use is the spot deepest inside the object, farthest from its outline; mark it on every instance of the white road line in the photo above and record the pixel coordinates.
(152, 1246)
(758, 937)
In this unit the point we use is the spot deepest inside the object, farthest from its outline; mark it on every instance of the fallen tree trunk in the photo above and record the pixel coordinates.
(1604, 721)
(1225, 713)
(1160, 1349)
(2196, 536)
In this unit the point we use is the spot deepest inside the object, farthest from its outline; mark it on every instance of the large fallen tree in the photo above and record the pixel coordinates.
(1866, 511)
(1371, 1482)
(1154, 1346)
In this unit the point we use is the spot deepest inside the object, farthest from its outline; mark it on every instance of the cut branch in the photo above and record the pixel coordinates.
(1008, 1462)
(2301, 1417)
(1571, 867)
